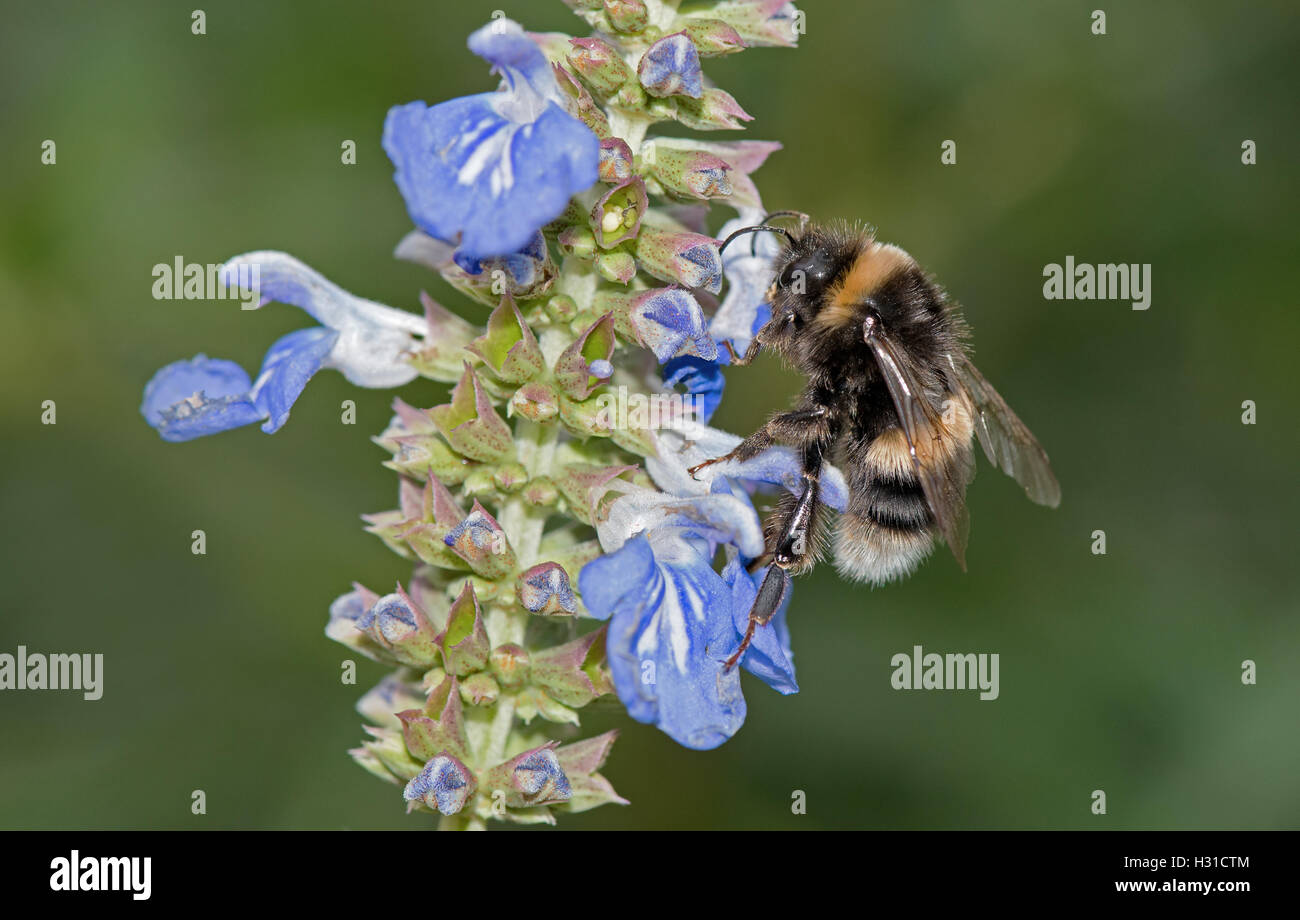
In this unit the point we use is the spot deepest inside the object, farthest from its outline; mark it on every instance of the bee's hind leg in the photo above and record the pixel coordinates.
(792, 551)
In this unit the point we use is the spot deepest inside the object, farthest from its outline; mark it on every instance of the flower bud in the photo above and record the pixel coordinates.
(691, 259)
(481, 542)
(715, 109)
(479, 689)
(577, 240)
(599, 64)
(627, 15)
(669, 322)
(509, 664)
(464, 642)
(572, 368)
(470, 424)
(508, 346)
(616, 266)
(617, 214)
(689, 173)
(396, 623)
(615, 161)
(762, 23)
(342, 627)
(545, 590)
(541, 492)
(530, 779)
(538, 402)
(712, 37)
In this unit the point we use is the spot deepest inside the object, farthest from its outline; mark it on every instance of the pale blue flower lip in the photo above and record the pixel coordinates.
(188, 399)
(490, 170)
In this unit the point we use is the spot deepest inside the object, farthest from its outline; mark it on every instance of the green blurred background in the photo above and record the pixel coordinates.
(1118, 672)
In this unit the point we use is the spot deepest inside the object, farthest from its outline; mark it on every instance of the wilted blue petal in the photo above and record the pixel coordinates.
(189, 399)
(492, 169)
(666, 606)
(669, 321)
(671, 67)
(539, 775)
(288, 366)
(444, 784)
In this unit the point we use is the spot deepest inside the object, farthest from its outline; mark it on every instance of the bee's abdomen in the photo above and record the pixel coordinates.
(896, 503)
(886, 530)
(884, 533)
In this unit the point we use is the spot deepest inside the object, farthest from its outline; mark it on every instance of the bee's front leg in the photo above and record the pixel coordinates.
(798, 426)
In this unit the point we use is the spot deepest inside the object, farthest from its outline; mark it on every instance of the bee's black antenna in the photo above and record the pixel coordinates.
(756, 229)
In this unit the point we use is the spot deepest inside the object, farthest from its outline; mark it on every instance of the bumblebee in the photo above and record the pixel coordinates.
(892, 398)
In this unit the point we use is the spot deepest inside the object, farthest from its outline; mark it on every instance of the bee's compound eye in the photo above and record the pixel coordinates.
(808, 274)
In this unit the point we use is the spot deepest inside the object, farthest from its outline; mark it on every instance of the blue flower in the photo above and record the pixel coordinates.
(364, 340)
(492, 169)
(674, 620)
(667, 607)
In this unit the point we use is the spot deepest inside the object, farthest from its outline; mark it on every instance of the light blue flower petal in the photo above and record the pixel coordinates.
(747, 266)
(659, 638)
(768, 657)
(688, 444)
(288, 366)
(718, 519)
(190, 399)
(373, 339)
(516, 57)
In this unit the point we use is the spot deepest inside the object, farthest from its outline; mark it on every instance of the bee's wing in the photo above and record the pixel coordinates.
(943, 482)
(1008, 443)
